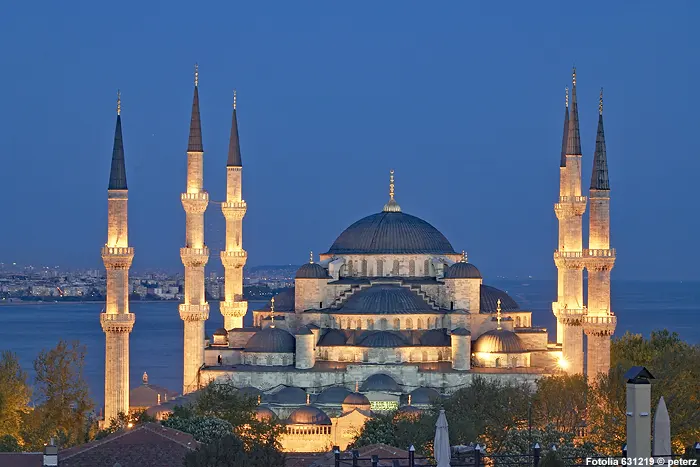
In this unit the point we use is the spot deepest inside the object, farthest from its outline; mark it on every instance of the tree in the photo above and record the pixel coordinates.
(396, 429)
(15, 395)
(561, 401)
(62, 396)
(9, 443)
(203, 429)
(518, 442)
(123, 421)
(231, 451)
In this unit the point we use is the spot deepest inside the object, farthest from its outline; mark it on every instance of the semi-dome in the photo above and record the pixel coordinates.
(333, 395)
(463, 270)
(290, 395)
(435, 338)
(311, 271)
(271, 340)
(333, 337)
(489, 300)
(308, 415)
(499, 341)
(385, 299)
(380, 382)
(383, 339)
(424, 396)
(391, 233)
(355, 400)
(263, 413)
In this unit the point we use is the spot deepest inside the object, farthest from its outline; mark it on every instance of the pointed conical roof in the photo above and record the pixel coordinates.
(195, 142)
(117, 174)
(565, 136)
(599, 177)
(234, 147)
(573, 145)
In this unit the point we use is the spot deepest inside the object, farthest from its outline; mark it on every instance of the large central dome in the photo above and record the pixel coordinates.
(391, 233)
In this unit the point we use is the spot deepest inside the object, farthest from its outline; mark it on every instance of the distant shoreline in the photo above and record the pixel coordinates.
(97, 302)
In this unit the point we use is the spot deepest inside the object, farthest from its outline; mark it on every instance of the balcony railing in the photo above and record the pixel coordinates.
(201, 196)
(572, 199)
(110, 250)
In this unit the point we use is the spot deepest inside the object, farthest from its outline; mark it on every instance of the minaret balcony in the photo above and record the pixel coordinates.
(570, 206)
(194, 257)
(194, 312)
(569, 259)
(599, 325)
(570, 316)
(117, 322)
(234, 259)
(195, 203)
(609, 253)
(234, 210)
(117, 257)
(235, 309)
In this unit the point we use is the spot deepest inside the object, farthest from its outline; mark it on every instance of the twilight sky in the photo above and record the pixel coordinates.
(464, 101)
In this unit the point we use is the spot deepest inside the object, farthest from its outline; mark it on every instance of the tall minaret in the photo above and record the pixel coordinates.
(233, 308)
(195, 311)
(599, 323)
(568, 258)
(117, 256)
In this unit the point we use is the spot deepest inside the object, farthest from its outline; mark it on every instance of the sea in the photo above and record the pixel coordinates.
(156, 341)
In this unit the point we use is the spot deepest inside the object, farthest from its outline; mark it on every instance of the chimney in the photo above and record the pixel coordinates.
(50, 454)
(638, 412)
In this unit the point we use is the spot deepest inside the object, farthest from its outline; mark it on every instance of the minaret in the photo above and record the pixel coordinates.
(568, 258)
(195, 311)
(599, 323)
(233, 308)
(117, 256)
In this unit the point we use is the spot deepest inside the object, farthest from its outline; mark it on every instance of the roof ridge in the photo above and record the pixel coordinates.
(93, 444)
(162, 432)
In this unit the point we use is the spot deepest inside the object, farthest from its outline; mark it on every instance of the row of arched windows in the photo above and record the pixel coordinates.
(362, 268)
(383, 324)
(382, 356)
(310, 430)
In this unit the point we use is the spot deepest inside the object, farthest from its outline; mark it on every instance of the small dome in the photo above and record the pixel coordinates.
(489, 300)
(263, 413)
(333, 337)
(499, 341)
(435, 338)
(463, 270)
(311, 271)
(271, 340)
(409, 411)
(290, 395)
(221, 332)
(380, 382)
(308, 415)
(333, 395)
(424, 396)
(388, 299)
(383, 339)
(355, 400)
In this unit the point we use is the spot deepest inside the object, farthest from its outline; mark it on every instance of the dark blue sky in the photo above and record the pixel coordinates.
(464, 101)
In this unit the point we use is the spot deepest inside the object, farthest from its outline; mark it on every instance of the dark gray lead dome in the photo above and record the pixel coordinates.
(391, 233)
(271, 340)
(311, 271)
(489, 300)
(386, 299)
(463, 270)
(383, 339)
(380, 382)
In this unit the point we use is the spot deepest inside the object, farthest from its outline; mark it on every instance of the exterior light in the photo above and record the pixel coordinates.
(563, 363)
(129, 425)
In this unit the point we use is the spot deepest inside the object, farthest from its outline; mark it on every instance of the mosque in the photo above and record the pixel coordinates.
(390, 317)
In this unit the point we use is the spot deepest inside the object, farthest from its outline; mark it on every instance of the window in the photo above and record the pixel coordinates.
(397, 324)
(395, 269)
(364, 267)
(517, 321)
(426, 268)
(412, 268)
(382, 324)
(420, 324)
(425, 356)
(350, 268)
(370, 324)
(452, 305)
(409, 323)
(498, 362)
(380, 268)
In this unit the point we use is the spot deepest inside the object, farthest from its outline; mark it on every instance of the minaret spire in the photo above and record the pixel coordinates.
(565, 137)
(573, 146)
(599, 177)
(498, 314)
(195, 141)
(117, 175)
(234, 148)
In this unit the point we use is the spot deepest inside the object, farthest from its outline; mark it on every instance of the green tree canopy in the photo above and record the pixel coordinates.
(560, 401)
(231, 451)
(15, 394)
(203, 429)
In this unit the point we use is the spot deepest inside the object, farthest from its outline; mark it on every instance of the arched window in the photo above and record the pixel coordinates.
(409, 323)
(365, 356)
(425, 356)
(382, 324)
(498, 362)
(364, 267)
(517, 321)
(419, 324)
(351, 324)
(359, 324)
(380, 268)
(397, 324)
(350, 268)
(439, 355)
(412, 268)
(268, 360)
(514, 362)
(325, 354)
(398, 356)
(370, 324)
(395, 269)
(342, 324)
(452, 305)
(426, 268)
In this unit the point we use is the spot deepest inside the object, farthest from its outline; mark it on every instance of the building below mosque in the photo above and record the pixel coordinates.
(390, 309)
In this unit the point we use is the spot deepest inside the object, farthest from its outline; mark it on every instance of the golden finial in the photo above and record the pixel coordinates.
(119, 102)
(311, 257)
(567, 97)
(259, 399)
(234, 99)
(574, 76)
(196, 75)
(498, 313)
(357, 386)
(391, 185)
(308, 398)
(600, 104)
(272, 312)
(464, 256)
(409, 399)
